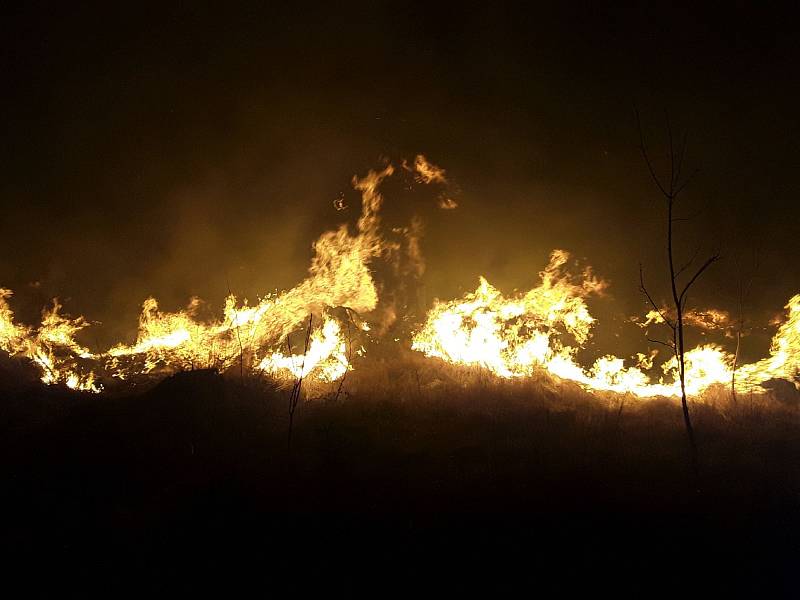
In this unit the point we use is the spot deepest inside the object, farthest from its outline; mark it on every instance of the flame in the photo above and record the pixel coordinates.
(51, 346)
(784, 353)
(514, 337)
(325, 357)
(12, 336)
(710, 319)
(339, 276)
(511, 337)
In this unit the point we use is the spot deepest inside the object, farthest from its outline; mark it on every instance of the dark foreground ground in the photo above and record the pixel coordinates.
(190, 487)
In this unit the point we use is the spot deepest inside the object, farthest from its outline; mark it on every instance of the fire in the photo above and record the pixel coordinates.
(339, 276)
(513, 337)
(12, 336)
(248, 336)
(51, 346)
(541, 330)
(784, 354)
(325, 357)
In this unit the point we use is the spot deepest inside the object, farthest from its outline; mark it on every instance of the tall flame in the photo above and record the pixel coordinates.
(510, 336)
(339, 276)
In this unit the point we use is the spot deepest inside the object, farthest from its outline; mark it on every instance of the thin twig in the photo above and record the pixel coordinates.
(238, 335)
(689, 262)
(663, 343)
(646, 156)
(349, 356)
(711, 260)
(650, 298)
(294, 398)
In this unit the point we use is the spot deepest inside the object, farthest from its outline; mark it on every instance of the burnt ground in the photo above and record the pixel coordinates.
(190, 487)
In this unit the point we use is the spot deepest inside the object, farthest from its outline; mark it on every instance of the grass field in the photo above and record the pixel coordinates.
(416, 479)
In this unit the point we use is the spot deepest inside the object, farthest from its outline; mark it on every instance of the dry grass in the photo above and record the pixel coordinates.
(417, 469)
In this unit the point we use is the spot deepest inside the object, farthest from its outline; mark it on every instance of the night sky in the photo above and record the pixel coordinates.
(177, 152)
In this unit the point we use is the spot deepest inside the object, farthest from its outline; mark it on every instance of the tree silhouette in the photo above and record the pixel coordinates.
(670, 187)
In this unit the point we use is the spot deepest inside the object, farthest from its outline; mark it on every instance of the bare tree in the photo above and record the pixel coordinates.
(670, 187)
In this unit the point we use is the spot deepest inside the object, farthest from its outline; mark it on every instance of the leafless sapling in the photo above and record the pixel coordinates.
(670, 186)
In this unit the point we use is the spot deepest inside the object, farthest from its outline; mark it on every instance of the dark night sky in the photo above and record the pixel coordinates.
(165, 151)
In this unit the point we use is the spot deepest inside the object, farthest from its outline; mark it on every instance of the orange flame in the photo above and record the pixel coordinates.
(540, 330)
(513, 337)
(339, 276)
(52, 346)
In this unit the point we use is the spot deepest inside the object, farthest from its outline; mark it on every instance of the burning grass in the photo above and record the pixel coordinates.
(478, 412)
(512, 336)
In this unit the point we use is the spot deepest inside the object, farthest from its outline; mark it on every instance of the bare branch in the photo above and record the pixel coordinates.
(688, 263)
(663, 343)
(646, 157)
(650, 298)
(711, 260)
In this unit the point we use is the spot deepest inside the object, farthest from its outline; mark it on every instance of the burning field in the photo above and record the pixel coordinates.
(462, 436)
(354, 306)
(487, 299)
